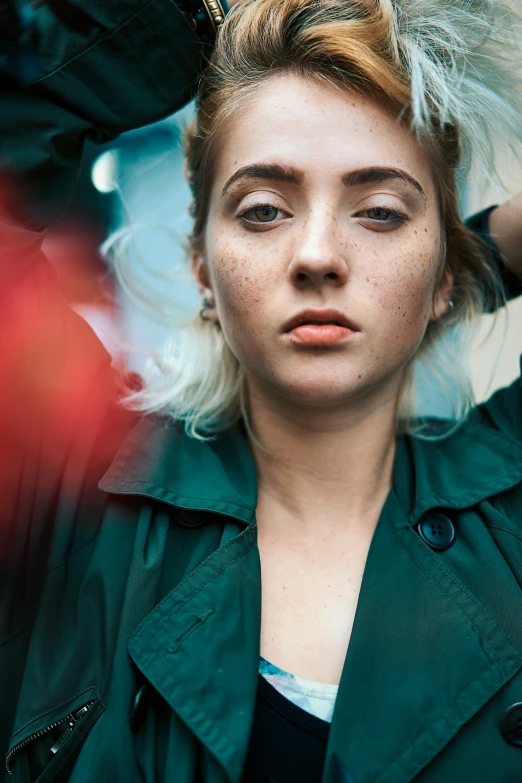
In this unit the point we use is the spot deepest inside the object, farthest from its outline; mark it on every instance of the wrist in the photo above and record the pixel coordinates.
(505, 228)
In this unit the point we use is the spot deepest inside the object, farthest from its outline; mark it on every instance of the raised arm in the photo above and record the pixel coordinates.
(505, 228)
(105, 67)
(501, 228)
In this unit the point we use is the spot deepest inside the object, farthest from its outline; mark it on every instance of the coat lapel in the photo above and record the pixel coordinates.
(424, 655)
(200, 649)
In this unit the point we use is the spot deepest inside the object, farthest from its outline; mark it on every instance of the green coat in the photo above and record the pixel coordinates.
(131, 581)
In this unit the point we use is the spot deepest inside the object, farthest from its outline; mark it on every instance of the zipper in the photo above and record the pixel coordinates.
(71, 721)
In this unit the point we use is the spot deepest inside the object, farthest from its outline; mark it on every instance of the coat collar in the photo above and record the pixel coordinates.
(159, 461)
(471, 465)
(396, 708)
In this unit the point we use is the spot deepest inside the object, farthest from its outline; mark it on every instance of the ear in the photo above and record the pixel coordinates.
(203, 278)
(441, 300)
(200, 270)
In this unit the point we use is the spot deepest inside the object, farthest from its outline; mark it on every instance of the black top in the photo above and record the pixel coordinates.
(287, 744)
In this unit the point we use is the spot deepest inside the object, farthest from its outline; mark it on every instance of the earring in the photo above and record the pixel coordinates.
(208, 304)
(450, 302)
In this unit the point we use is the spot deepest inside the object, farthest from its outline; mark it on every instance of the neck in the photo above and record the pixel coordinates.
(322, 469)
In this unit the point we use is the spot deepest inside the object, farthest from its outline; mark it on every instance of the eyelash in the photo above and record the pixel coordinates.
(399, 218)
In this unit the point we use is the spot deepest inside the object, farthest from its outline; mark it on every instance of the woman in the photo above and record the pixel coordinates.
(172, 559)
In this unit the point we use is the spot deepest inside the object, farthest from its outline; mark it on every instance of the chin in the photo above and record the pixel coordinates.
(324, 392)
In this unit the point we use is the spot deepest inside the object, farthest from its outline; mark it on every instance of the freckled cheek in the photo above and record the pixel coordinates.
(241, 288)
(401, 294)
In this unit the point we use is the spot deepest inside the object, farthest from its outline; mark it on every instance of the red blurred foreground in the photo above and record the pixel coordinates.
(58, 390)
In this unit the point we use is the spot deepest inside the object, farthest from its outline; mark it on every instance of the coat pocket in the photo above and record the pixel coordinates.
(47, 749)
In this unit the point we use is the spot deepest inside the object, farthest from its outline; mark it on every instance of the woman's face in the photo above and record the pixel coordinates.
(307, 213)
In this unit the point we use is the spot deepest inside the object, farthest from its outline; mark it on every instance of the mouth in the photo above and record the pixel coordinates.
(320, 328)
(320, 318)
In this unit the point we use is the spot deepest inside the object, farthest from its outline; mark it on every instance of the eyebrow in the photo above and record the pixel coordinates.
(271, 171)
(379, 174)
(370, 175)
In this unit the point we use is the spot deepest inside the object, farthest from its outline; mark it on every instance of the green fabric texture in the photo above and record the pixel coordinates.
(143, 567)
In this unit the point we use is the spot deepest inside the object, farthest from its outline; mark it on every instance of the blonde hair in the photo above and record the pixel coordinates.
(445, 70)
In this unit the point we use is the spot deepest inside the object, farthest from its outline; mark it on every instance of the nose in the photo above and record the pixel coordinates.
(318, 257)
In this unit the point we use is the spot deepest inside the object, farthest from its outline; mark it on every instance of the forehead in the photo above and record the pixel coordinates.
(319, 129)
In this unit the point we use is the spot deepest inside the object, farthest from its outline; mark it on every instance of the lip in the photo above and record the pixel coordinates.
(318, 317)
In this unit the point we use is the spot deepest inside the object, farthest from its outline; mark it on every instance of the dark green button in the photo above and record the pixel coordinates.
(511, 724)
(437, 530)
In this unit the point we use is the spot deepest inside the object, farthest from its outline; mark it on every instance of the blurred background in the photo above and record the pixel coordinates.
(132, 194)
(131, 203)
